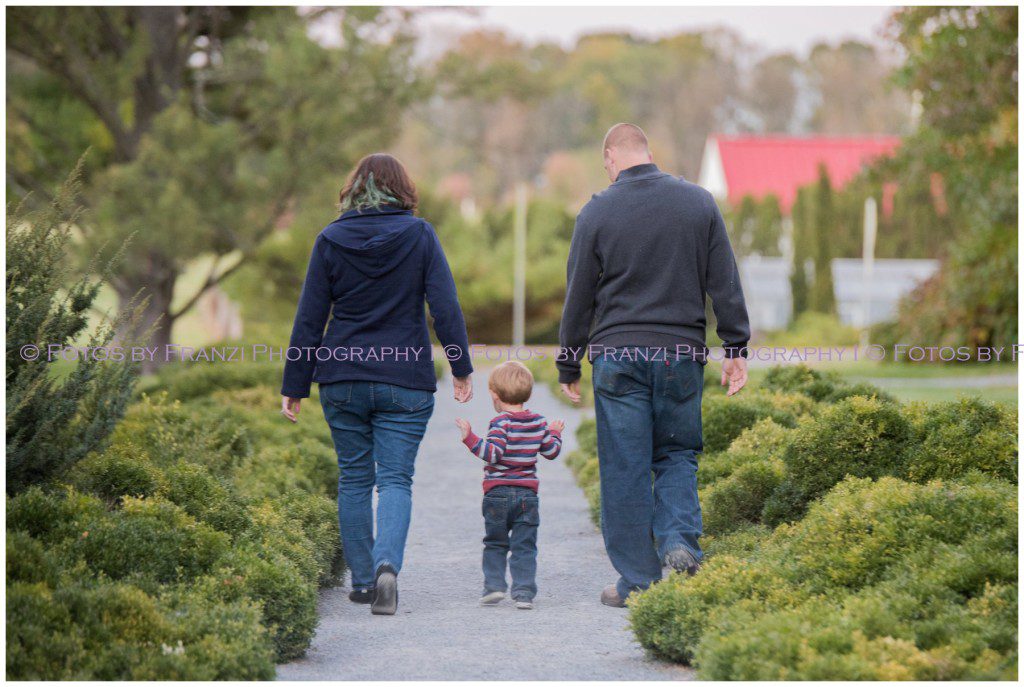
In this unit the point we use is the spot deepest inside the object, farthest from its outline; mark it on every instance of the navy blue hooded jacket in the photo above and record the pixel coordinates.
(370, 273)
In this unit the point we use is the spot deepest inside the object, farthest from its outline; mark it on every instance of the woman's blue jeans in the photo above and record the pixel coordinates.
(648, 424)
(377, 430)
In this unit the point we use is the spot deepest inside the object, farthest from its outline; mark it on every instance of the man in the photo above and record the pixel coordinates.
(645, 253)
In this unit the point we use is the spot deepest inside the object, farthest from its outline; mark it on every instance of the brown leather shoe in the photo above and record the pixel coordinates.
(610, 597)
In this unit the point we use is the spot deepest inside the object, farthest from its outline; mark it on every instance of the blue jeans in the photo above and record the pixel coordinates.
(511, 519)
(648, 423)
(377, 430)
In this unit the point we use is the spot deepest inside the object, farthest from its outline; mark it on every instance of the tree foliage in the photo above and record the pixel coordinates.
(54, 420)
(211, 125)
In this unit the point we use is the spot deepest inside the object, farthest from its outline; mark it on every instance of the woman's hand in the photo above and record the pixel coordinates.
(464, 427)
(290, 408)
(463, 388)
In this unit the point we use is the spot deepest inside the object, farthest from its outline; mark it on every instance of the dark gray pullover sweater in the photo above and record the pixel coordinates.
(645, 253)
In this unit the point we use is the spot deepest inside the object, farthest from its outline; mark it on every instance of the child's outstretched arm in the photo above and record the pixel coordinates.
(490, 449)
(551, 444)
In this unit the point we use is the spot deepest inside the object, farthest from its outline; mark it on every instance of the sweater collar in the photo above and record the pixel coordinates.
(371, 211)
(644, 171)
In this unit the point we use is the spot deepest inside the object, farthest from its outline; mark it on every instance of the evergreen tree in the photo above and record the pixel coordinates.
(822, 295)
(801, 214)
(767, 227)
(55, 418)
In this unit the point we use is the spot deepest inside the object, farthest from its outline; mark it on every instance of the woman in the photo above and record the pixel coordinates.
(370, 272)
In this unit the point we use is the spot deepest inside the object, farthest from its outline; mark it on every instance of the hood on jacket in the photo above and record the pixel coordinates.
(374, 242)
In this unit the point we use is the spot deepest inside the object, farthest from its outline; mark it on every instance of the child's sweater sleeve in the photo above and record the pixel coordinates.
(551, 444)
(492, 448)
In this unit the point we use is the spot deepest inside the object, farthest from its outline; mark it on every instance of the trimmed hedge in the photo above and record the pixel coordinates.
(882, 572)
(881, 580)
(858, 436)
(180, 551)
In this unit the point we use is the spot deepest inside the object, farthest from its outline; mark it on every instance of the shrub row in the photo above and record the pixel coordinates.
(841, 592)
(881, 580)
(190, 548)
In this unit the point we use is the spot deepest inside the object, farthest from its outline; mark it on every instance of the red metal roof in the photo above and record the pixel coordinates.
(759, 165)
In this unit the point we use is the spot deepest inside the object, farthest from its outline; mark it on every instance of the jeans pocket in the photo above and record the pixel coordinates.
(410, 400)
(529, 510)
(613, 378)
(684, 379)
(495, 509)
(337, 393)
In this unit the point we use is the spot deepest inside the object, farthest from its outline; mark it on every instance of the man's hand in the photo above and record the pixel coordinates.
(557, 426)
(734, 373)
(464, 427)
(572, 390)
(463, 388)
(290, 408)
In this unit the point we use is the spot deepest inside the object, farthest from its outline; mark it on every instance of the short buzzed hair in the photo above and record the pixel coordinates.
(627, 136)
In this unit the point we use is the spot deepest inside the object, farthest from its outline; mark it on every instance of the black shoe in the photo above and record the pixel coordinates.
(385, 593)
(361, 596)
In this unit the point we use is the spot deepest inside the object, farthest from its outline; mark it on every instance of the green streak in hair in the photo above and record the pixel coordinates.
(367, 195)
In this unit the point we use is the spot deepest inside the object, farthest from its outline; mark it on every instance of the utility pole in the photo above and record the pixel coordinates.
(868, 264)
(519, 268)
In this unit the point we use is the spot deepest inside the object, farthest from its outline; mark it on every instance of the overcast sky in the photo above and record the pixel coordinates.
(771, 28)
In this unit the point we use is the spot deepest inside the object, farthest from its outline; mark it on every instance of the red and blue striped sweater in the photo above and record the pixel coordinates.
(510, 449)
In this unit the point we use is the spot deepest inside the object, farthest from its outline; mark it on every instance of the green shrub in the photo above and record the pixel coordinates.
(586, 437)
(121, 470)
(206, 498)
(114, 631)
(29, 561)
(183, 383)
(765, 440)
(276, 469)
(284, 594)
(169, 431)
(52, 516)
(318, 518)
(670, 618)
(881, 580)
(862, 437)
(954, 438)
(739, 498)
(725, 418)
(151, 539)
(800, 379)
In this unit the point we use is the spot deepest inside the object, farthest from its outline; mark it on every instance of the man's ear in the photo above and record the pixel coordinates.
(650, 156)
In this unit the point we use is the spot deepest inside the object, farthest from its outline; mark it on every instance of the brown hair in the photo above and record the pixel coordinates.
(512, 382)
(378, 179)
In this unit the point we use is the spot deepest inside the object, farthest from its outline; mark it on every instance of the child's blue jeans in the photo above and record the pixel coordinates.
(511, 519)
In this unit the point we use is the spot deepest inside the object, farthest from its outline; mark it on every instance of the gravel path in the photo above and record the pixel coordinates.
(440, 632)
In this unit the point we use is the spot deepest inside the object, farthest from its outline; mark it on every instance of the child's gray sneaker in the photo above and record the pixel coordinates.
(524, 605)
(492, 598)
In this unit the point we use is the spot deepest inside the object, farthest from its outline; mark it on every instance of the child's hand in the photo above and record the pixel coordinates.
(464, 427)
(557, 426)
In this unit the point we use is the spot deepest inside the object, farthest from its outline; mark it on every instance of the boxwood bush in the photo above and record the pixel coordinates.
(181, 551)
(882, 580)
(725, 417)
(951, 439)
(858, 436)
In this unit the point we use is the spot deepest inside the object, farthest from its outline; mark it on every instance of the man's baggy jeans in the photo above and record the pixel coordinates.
(377, 430)
(648, 422)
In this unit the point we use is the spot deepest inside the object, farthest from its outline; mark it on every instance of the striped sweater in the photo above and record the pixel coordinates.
(511, 446)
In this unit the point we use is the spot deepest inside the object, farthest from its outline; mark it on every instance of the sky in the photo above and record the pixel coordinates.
(771, 28)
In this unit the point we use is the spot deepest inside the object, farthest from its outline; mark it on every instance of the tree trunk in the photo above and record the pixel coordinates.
(155, 318)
